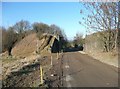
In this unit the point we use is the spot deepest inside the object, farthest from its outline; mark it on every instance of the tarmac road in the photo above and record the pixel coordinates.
(81, 70)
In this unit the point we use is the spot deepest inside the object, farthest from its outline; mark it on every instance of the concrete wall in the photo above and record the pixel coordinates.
(93, 43)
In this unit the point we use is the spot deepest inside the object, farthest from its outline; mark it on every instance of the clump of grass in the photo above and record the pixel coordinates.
(8, 59)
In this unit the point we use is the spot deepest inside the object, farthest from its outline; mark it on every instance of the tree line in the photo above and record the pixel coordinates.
(15, 33)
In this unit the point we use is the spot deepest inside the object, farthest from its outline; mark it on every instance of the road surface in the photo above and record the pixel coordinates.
(81, 70)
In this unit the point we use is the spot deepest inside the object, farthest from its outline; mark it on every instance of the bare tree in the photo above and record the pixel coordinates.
(0, 39)
(21, 27)
(78, 39)
(56, 30)
(102, 17)
(40, 27)
(3, 43)
(10, 39)
(118, 27)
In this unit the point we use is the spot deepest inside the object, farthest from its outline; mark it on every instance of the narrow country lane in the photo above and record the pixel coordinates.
(81, 70)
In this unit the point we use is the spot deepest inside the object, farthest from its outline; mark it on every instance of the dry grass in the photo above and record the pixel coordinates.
(110, 58)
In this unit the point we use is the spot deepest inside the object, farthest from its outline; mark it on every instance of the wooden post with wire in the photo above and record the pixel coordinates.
(58, 46)
(41, 75)
(51, 60)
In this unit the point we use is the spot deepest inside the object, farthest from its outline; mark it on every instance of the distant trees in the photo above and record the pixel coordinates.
(13, 34)
(9, 38)
(21, 28)
(53, 29)
(102, 17)
(56, 30)
(18, 31)
(3, 38)
(78, 40)
(1, 46)
(40, 28)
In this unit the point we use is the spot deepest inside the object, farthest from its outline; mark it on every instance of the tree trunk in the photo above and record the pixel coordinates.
(9, 51)
(118, 27)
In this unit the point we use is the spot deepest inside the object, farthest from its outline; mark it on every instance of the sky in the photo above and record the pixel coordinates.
(66, 15)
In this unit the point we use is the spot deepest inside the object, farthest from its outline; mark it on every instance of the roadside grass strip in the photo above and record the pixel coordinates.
(82, 52)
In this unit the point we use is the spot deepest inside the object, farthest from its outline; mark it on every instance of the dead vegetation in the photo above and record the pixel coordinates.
(110, 58)
(22, 68)
(27, 73)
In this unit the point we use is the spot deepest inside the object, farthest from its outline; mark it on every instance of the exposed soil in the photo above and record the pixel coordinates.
(24, 77)
(29, 75)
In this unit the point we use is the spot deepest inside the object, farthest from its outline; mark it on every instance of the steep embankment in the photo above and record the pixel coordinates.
(30, 44)
(27, 46)
(25, 51)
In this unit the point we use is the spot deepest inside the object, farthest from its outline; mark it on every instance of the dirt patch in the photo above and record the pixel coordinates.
(29, 75)
(13, 65)
(27, 46)
(25, 76)
(22, 78)
(54, 75)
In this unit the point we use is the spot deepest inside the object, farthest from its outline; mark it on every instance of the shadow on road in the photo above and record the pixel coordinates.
(73, 49)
